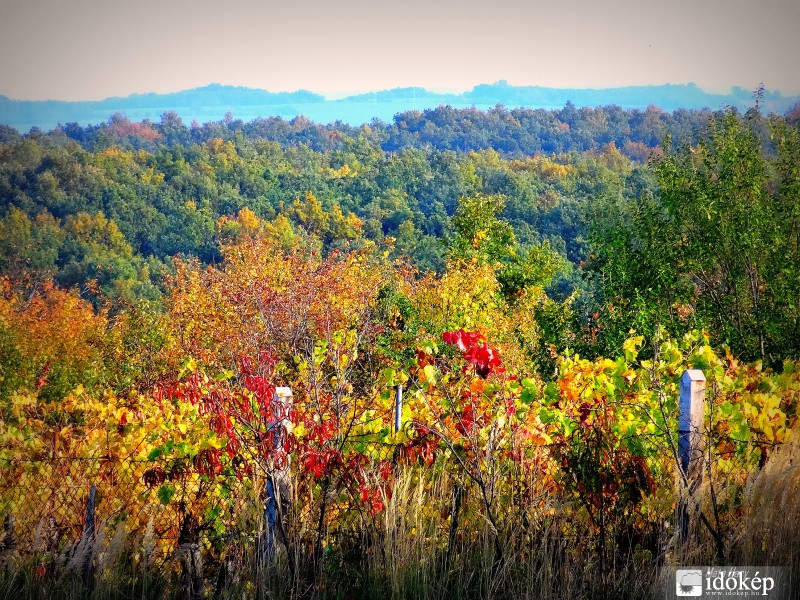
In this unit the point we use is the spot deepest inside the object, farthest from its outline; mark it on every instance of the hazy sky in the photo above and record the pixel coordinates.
(91, 49)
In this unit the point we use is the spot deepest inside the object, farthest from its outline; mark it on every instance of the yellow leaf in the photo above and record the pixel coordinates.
(428, 374)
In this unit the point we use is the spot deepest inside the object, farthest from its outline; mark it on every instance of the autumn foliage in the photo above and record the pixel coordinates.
(513, 451)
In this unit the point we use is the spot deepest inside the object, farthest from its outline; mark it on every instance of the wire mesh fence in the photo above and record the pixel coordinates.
(162, 503)
(46, 502)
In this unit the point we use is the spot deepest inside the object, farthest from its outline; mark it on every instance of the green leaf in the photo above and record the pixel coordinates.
(224, 375)
(551, 394)
(547, 416)
(165, 494)
(527, 396)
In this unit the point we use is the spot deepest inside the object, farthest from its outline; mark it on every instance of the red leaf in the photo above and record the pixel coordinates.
(463, 340)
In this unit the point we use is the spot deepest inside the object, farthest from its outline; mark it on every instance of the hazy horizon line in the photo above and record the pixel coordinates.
(342, 94)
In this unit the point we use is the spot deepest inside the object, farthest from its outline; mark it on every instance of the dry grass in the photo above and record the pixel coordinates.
(769, 533)
(411, 550)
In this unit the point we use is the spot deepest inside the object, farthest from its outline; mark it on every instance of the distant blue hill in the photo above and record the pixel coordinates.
(212, 102)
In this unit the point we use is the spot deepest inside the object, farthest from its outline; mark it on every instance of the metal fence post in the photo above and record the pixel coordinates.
(398, 408)
(193, 587)
(8, 540)
(88, 534)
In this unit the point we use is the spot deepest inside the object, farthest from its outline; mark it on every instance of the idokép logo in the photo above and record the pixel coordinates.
(732, 582)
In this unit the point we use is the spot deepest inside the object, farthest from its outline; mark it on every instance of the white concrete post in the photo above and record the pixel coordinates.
(279, 481)
(283, 402)
(691, 431)
(691, 425)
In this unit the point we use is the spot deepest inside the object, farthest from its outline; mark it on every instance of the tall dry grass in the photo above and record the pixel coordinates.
(433, 541)
(769, 531)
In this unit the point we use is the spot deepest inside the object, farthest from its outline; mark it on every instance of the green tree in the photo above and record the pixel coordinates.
(29, 247)
(717, 247)
(480, 233)
(95, 250)
(482, 236)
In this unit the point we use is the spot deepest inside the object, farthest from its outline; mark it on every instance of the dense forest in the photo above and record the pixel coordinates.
(535, 282)
(592, 189)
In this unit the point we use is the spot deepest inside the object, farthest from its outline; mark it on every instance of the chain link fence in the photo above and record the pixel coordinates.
(47, 504)
(161, 503)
